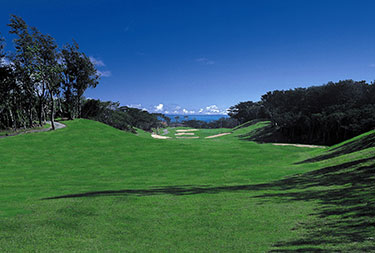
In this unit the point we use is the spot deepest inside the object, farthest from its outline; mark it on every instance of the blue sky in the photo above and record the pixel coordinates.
(208, 55)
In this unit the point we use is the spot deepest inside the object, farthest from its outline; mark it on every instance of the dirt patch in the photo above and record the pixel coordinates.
(184, 134)
(298, 145)
(216, 135)
(182, 137)
(186, 130)
(156, 136)
(57, 126)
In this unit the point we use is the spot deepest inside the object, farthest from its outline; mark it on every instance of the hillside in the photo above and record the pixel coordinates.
(90, 187)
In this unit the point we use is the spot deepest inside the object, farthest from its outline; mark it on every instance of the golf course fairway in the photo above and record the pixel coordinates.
(91, 188)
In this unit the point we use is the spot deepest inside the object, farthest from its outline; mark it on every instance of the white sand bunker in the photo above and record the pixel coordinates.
(182, 137)
(298, 145)
(184, 133)
(217, 135)
(186, 130)
(156, 136)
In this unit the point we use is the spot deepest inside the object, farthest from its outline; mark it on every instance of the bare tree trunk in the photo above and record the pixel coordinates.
(30, 115)
(52, 112)
(11, 118)
(40, 106)
(40, 109)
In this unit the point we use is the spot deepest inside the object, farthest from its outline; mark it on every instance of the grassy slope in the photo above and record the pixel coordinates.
(159, 195)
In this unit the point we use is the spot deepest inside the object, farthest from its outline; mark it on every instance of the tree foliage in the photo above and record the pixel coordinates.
(78, 75)
(38, 76)
(324, 114)
(246, 111)
(121, 117)
(220, 123)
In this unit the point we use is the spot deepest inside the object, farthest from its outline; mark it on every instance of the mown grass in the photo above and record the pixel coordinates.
(89, 187)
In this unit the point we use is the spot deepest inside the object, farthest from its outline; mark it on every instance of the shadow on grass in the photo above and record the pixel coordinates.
(345, 193)
(350, 147)
(346, 214)
(265, 134)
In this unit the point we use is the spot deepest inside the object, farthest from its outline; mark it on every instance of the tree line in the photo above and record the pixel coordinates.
(39, 80)
(122, 117)
(220, 123)
(325, 114)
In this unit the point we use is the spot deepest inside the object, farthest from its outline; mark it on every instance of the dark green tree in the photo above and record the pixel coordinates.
(24, 64)
(49, 69)
(78, 75)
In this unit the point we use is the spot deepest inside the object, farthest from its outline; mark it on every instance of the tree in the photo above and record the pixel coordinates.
(24, 63)
(246, 111)
(8, 98)
(48, 68)
(9, 92)
(79, 74)
(2, 46)
(31, 79)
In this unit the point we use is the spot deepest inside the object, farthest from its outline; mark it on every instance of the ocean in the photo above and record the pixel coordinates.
(205, 118)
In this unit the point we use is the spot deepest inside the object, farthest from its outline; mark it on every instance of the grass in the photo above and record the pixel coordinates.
(89, 187)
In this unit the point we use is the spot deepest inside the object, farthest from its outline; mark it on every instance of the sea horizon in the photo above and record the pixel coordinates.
(202, 117)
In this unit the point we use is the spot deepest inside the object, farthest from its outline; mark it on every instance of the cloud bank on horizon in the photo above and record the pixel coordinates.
(177, 109)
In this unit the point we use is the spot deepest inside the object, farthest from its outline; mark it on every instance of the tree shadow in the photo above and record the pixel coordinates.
(265, 134)
(365, 142)
(345, 193)
(345, 218)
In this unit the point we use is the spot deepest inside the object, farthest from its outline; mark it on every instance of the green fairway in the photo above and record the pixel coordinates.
(90, 187)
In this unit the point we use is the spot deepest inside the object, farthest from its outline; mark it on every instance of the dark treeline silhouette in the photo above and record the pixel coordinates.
(325, 114)
(122, 117)
(220, 123)
(38, 80)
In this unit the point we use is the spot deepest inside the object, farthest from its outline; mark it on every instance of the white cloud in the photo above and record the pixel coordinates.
(159, 107)
(212, 109)
(96, 62)
(177, 109)
(106, 73)
(205, 61)
(139, 106)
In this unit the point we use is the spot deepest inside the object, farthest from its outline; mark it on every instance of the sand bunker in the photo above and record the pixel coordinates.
(156, 136)
(184, 134)
(182, 137)
(186, 130)
(298, 145)
(217, 135)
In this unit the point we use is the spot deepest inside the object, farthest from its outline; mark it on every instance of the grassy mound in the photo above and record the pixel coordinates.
(356, 144)
(89, 187)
